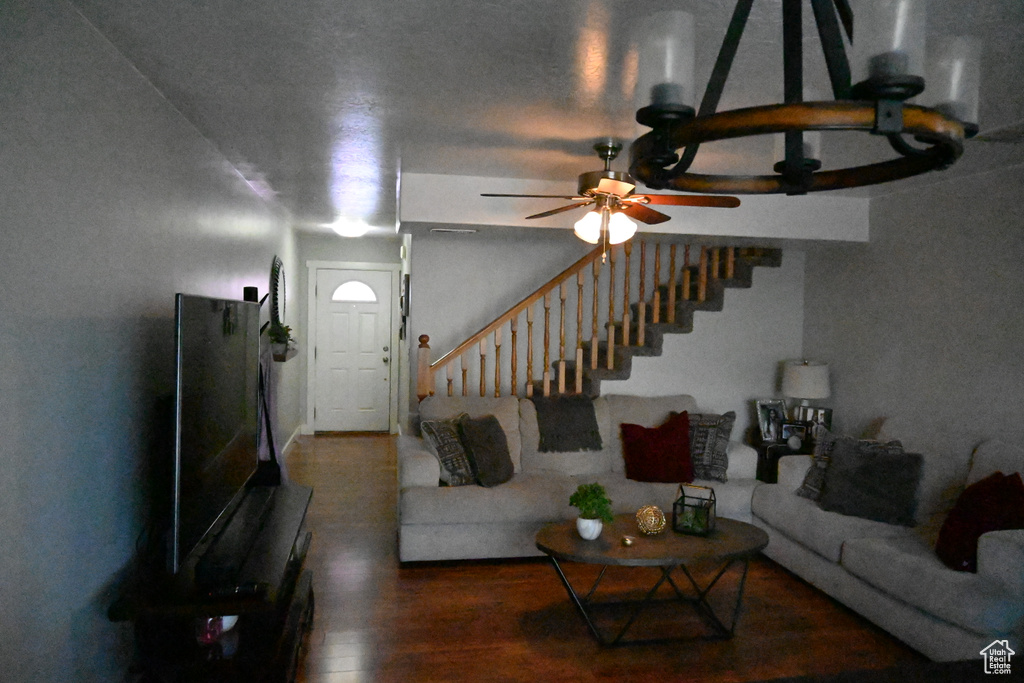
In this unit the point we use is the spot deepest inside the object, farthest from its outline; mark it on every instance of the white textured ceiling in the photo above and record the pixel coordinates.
(326, 100)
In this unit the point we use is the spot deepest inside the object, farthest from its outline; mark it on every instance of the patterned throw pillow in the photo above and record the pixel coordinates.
(814, 480)
(709, 436)
(443, 437)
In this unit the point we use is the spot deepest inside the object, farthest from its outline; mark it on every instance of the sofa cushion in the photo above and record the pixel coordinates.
(506, 409)
(487, 449)
(906, 569)
(992, 504)
(566, 424)
(659, 454)
(578, 462)
(818, 530)
(442, 436)
(814, 479)
(995, 456)
(872, 482)
(646, 411)
(526, 497)
(709, 437)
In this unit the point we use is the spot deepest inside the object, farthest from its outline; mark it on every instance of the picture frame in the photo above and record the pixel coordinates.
(797, 429)
(771, 413)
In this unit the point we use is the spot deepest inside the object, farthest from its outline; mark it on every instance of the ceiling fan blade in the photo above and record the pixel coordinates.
(615, 187)
(537, 196)
(720, 201)
(560, 209)
(643, 214)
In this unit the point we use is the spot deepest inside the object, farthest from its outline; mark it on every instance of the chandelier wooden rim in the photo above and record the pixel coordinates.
(945, 137)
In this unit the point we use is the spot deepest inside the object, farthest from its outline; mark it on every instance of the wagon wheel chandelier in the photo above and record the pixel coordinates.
(888, 61)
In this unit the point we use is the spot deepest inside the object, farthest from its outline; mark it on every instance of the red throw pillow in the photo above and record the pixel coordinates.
(660, 454)
(996, 502)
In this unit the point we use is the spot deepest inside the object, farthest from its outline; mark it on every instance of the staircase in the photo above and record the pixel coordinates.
(611, 305)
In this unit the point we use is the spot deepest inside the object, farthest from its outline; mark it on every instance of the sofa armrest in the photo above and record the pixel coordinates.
(1001, 558)
(792, 470)
(742, 461)
(416, 465)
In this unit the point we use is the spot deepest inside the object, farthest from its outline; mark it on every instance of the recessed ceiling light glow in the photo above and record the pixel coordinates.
(350, 227)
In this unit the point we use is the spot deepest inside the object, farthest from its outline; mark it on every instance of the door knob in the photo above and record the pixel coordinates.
(386, 360)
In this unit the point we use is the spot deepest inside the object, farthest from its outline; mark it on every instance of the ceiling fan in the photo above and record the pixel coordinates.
(611, 192)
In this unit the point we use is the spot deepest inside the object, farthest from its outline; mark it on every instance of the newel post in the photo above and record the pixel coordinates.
(423, 388)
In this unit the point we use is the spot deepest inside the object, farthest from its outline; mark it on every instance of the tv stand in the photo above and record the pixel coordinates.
(253, 568)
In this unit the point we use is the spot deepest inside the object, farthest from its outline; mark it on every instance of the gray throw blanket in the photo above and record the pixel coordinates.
(567, 424)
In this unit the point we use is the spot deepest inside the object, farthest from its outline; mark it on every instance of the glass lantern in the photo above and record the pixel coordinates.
(888, 56)
(665, 66)
(954, 78)
(693, 512)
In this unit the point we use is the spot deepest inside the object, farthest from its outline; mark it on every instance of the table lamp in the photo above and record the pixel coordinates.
(805, 380)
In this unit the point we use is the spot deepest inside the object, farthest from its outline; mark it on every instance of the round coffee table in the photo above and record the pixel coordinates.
(731, 543)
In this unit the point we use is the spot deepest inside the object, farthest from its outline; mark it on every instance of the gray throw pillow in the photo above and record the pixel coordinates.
(487, 448)
(814, 480)
(709, 437)
(876, 481)
(443, 437)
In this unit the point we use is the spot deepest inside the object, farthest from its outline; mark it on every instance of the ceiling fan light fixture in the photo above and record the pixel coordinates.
(620, 228)
(588, 228)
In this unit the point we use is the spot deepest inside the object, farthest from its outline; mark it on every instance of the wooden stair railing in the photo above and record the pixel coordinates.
(633, 331)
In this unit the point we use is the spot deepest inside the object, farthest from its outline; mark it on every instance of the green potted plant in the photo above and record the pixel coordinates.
(282, 345)
(595, 508)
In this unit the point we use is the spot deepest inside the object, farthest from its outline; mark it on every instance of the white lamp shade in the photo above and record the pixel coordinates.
(588, 228)
(954, 77)
(666, 59)
(889, 38)
(805, 379)
(620, 228)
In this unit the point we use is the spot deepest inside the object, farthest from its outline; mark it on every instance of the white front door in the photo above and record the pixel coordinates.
(353, 354)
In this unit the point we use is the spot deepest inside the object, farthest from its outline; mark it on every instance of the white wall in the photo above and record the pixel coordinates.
(732, 356)
(110, 203)
(922, 326)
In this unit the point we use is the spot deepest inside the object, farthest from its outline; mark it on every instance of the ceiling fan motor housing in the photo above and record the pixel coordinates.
(589, 182)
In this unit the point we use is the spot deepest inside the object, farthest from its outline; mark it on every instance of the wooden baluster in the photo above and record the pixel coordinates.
(497, 363)
(593, 336)
(514, 359)
(716, 262)
(579, 332)
(730, 262)
(702, 276)
(641, 313)
(547, 345)
(686, 273)
(656, 304)
(561, 338)
(672, 283)
(529, 351)
(465, 374)
(627, 249)
(610, 362)
(483, 366)
(449, 371)
(424, 378)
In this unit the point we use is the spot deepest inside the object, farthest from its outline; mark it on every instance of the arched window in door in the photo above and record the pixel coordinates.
(354, 292)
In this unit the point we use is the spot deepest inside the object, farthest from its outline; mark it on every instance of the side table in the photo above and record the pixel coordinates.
(768, 455)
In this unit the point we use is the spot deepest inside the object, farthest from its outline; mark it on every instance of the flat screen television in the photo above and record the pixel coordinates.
(216, 414)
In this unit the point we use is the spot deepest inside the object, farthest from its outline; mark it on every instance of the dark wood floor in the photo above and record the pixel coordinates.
(377, 620)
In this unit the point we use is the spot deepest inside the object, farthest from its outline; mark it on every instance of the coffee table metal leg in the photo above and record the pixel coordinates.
(700, 603)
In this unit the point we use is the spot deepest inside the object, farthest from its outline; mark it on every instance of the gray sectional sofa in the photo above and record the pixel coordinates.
(891, 574)
(472, 522)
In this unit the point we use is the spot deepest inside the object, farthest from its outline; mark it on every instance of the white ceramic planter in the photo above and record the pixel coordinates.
(589, 529)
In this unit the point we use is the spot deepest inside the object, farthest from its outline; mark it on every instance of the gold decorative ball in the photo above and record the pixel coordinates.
(650, 519)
